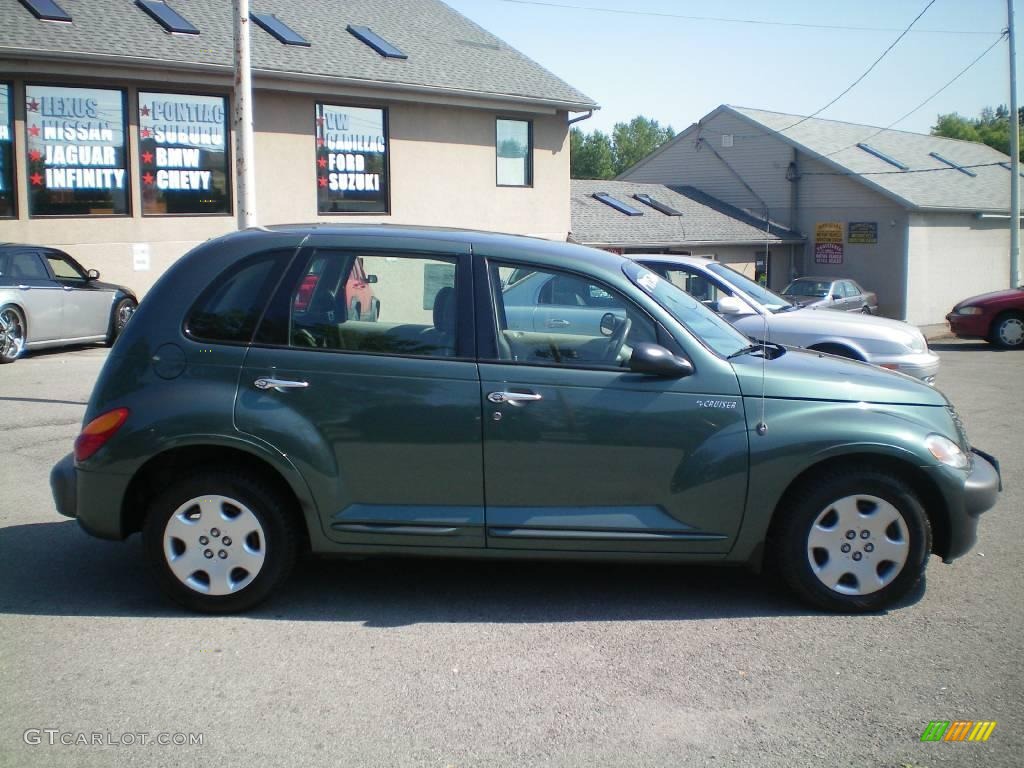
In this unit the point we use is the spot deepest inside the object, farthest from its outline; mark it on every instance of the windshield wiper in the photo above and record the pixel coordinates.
(761, 346)
(745, 351)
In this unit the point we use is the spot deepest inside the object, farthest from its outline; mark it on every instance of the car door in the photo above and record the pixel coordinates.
(580, 454)
(87, 305)
(39, 294)
(381, 418)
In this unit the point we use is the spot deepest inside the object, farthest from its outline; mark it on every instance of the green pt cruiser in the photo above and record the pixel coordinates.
(246, 415)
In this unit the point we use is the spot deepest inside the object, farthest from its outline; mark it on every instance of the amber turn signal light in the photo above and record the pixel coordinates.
(98, 431)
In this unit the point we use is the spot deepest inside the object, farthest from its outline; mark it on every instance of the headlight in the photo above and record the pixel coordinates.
(969, 311)
(946, 451)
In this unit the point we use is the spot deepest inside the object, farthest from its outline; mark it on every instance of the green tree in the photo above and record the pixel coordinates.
(635, 140)
(992, 127)
(591, 155)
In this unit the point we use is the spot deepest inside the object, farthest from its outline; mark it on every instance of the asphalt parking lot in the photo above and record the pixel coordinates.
(392, 663)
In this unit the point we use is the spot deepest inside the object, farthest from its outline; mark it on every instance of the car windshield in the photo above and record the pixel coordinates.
(767, 299)
(819, 288)
(715, 332)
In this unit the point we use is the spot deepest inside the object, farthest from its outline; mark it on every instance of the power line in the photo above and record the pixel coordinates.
(866, 72)
(919, 106)
(729, 20)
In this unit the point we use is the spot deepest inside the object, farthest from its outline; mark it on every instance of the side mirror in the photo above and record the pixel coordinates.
(371, 278)
(92, 274)
(730, 305)
(834, 297)
(655, 360)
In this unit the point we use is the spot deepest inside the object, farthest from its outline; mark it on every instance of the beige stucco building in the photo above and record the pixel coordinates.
(440, 124)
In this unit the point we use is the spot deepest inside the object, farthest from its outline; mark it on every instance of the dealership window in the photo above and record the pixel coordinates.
(183, 155)
(351, 159)
(6, 152)
(514, 144)
(76, 150)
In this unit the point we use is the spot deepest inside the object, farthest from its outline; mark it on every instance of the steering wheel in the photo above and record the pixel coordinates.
(617, 340)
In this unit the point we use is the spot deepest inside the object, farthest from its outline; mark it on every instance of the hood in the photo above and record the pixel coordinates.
(981, 298)
(803, 301)
(853, 325)
(803, 375)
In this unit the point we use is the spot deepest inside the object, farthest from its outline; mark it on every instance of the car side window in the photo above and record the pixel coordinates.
(395, 304)
(229, 309)
(851, 289)
(64, 269)
(595, 330)
(700, 287)
(27, 266)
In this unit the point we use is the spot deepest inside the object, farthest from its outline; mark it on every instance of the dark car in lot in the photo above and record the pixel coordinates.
(831, 293)
(997, 317)
(47, 299)
(234, 428)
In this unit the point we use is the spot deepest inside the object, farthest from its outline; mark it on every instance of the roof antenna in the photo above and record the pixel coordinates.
(762, 425)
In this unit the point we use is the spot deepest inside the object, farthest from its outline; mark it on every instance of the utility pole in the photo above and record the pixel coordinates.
(1014, 155)
(245, 155)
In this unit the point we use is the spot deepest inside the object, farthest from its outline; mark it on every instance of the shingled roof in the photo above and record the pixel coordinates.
(924, 183)
(446, 51)
(704, 220)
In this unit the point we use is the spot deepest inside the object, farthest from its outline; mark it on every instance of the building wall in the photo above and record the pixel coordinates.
(759, 160)
(442, 173)
(953, 256)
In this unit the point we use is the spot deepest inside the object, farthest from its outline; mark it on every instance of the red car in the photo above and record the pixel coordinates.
(997, 317)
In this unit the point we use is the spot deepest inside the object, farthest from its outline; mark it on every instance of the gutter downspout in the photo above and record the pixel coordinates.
(589, 114)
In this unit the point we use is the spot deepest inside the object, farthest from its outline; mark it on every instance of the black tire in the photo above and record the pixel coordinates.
(1008, 331)
(12, 333)
(815, 502)
(119, 317)
(866, 309)
(276, 541)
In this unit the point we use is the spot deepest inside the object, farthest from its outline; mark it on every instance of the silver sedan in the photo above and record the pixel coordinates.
(762, 314)
(47, 299)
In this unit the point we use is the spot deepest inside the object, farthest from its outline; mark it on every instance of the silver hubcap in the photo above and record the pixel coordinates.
(858, 544)
(214, 545)
(1011, 332)
(124, 314)
(12, 335)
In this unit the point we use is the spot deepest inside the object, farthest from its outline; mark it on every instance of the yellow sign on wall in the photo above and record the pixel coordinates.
(828, 232)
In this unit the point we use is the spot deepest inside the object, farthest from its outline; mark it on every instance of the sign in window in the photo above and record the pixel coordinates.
(183, 158)
(6, 153)
(75, 145)
(351, 159)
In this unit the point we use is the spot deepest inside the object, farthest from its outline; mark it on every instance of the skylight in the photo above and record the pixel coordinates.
(279, 29)
(617, 204)
(167, 17)
(882, 156)
(375, 41)
(951, 164)
(46, 10)
(648, 200)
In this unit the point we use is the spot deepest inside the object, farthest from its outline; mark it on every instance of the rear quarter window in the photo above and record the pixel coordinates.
(229, 309)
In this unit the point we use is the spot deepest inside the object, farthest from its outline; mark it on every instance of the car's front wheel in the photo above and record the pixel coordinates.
(12, 333)
(1008, 331)
(220, 542)
(119, 317)
(854, 540)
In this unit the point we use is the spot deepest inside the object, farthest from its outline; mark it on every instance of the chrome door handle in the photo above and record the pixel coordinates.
(67, 287)
(279, 384)
(23, 287)
(557, 323)
(513, 398)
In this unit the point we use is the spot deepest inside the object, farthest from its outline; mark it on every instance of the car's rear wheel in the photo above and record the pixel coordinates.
(12, 333)
(866, 309)
(119, 317)
(1008, 331)
(856, 540)
(220, 542)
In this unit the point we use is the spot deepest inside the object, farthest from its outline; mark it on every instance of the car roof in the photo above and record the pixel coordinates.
(670, 258)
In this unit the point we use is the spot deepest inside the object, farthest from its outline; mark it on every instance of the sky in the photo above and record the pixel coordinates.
(677, 70)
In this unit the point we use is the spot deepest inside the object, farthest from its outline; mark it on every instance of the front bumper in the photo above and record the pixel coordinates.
(980, 493)
(968, 326)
